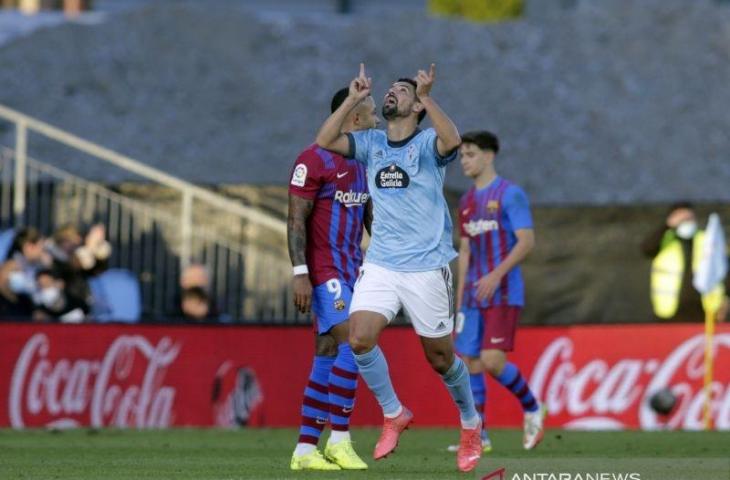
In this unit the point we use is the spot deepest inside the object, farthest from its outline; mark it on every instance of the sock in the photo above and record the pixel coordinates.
(479, 392)
(337, 436)
(374, 370)
(315, 406)
(304, 449)
(511, 378)
(342, 385)
(457, 381)
(395, 413)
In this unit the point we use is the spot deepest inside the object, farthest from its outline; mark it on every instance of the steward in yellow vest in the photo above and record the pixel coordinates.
(676, 249)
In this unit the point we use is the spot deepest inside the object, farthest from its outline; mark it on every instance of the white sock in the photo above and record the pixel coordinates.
(471, 424)
(394, 414)
(337, 436)
(304, 449)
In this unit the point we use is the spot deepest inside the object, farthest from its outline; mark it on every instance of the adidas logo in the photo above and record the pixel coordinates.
(441, 326)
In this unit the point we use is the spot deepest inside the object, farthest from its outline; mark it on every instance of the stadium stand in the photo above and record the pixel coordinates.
(116, 297)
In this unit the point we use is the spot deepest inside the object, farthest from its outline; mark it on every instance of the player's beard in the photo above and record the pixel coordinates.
(390, 110)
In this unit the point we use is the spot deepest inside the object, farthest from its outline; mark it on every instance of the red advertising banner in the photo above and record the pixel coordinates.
(597, 377)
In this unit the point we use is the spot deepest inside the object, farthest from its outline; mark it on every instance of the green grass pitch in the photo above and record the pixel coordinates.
(264, 454)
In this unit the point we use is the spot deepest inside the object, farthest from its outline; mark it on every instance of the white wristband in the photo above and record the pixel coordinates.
(300, 270)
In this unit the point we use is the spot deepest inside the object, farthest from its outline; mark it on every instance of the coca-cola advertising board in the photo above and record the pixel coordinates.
(594, 377)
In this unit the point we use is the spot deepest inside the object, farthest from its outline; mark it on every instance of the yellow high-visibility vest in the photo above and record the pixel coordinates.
(478, 10)
(666, 276)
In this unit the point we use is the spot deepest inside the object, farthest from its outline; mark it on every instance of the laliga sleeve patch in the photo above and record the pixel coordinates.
(299, 177)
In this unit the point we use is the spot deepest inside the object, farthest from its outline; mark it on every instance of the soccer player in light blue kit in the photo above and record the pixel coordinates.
(407, 263)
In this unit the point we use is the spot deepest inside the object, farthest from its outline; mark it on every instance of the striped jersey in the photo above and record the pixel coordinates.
(488, 217)
(338, 187)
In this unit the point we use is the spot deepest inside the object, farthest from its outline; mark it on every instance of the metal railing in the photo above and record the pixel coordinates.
(243, 247)
(189, 192)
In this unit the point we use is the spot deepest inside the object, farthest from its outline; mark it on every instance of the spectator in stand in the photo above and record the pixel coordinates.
(195, 306)
(195, 283)
(195, 275)
(675, 247)
(18, 273)
(76, 259)
(51, 301)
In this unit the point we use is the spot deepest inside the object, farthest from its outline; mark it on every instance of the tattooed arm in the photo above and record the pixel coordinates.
(299, 210)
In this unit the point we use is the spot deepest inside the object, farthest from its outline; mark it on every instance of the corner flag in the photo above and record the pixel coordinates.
(713, 266)
(710, 272)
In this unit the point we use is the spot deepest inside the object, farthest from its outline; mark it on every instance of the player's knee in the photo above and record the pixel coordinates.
(326, 351)
(474, 364)
(493, 369)
(493, 364)
(440, 361)
(325, 346)
(361, 343)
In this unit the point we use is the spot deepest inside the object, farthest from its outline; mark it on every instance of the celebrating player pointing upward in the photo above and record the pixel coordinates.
(407, 262)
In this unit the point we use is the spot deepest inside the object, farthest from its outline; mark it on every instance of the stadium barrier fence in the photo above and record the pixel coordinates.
(137, 376)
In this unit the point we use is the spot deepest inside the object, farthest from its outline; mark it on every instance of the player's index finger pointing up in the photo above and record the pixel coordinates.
(362, 70)
(432, 71)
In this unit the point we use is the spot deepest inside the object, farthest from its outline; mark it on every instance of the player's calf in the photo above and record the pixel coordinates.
(315, 412)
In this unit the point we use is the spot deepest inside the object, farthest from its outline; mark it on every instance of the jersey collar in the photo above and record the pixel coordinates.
(401, 143)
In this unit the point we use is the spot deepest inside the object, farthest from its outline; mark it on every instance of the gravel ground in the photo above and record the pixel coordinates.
(609, 102)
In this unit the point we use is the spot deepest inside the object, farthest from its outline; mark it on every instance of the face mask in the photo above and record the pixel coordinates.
(17, 282)
(49, 296)
(687, 229)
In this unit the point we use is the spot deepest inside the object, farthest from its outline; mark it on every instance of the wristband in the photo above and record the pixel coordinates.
(300, 270)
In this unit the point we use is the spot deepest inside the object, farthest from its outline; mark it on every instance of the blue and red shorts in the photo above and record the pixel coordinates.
(330, 304)
(490, 328)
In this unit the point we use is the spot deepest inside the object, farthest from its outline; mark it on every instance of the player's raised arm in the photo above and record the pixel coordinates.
(446, 131)
(330, 134)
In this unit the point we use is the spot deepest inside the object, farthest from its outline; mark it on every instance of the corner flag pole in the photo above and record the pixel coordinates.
(709, 337)
(708, 275)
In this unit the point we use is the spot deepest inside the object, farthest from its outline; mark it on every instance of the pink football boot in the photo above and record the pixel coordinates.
(392, 428)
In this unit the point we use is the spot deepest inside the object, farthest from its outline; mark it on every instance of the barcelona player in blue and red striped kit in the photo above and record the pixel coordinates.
(496, 235)
(328, 207)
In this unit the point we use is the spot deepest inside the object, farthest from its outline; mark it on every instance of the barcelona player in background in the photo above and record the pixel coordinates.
(328, 206)
(496, 235)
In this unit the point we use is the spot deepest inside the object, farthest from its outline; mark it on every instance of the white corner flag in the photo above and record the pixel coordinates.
(710, 272)
(713, 266)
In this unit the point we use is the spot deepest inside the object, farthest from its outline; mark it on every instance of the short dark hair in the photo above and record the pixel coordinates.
(410, 81)
(23, 236)
(339, 98)
(483, 139)
(682, 204)
(50, 272)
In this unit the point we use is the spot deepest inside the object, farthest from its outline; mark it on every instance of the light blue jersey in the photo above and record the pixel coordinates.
(411, 230)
